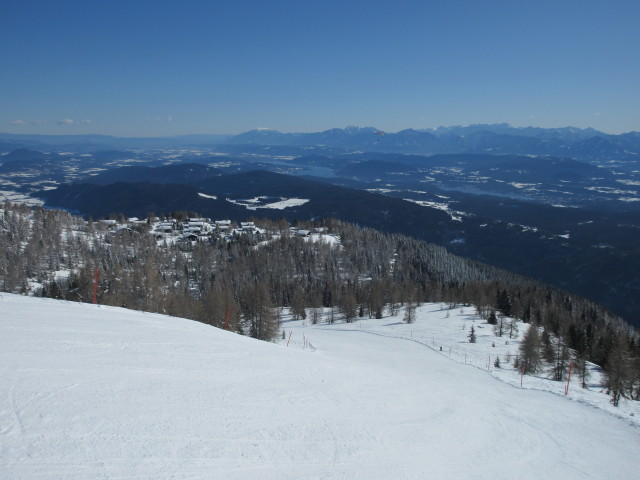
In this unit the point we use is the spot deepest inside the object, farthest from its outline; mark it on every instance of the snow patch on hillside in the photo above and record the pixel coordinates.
(18, 197)
(269, 202)
(204, 195)
(455, 215)
(446, 330)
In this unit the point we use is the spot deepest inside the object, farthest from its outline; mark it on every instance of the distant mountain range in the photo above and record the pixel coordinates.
(584, 144)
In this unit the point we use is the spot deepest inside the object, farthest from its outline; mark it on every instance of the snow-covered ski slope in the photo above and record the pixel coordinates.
(100, 392)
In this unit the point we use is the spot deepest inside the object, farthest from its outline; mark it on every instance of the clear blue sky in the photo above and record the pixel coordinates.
(165, 67)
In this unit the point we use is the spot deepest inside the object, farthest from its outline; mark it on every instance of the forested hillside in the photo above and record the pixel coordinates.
(591, 253)
(240, 282)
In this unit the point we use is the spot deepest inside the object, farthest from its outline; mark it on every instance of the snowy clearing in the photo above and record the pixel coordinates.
(100, 392)
(17, 197)
(455, 215)
(329, 239)
(269, 202)
(204, 195)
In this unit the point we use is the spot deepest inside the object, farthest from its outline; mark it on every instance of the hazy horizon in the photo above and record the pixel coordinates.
(305, 132)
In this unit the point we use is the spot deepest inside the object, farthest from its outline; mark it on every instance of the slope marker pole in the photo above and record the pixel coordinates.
(226, 322)
(95, 288)
(566, 388)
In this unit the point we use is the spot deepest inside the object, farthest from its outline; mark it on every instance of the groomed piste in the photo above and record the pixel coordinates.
(89, 391)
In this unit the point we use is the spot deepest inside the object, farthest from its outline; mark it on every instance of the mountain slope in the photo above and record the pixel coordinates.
(138, 199)
(325, 200)
(184, 173)
(590, 253)
(90, 391)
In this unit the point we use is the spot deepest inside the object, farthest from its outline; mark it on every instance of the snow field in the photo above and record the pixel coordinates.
(100, 392)
(446, 331)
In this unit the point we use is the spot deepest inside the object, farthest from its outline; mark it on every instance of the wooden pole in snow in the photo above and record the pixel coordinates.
(566, 388)
(226, 322)
(95, 288)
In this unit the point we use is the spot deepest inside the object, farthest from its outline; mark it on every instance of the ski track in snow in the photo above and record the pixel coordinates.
(100, 392)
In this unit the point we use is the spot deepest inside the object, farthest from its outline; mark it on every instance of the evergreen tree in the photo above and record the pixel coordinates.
(472, 335)
(499, 327)
(503, 302)
(618, 369)
(561, 363)
(348, 304)
(259, 312)
(297, 305)
(581, 368)
(530, 351)
(513, 329)
(410, 313)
